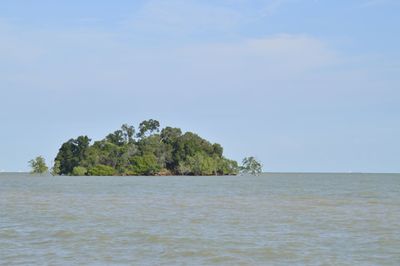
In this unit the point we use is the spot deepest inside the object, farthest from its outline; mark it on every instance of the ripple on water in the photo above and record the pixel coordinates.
(278, 219)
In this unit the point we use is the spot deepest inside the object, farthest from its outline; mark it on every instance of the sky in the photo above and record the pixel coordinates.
(302, 85)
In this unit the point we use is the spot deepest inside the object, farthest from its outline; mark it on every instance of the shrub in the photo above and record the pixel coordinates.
(79, 171)
(145, 165)
(102, 170)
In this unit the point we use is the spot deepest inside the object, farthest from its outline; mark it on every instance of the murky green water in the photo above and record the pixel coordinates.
(277, 219)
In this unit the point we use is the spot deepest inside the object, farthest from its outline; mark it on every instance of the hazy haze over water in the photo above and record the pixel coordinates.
(312, 219)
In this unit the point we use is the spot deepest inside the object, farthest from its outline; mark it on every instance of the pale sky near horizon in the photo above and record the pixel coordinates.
(303, 85)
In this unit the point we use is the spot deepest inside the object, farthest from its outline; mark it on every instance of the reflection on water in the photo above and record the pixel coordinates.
(310, 219)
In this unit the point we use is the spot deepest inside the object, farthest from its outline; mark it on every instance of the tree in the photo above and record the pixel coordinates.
(218, 150)
(148, 127)
(251, 166)
(188, 145)
(227, 167)
(116, 138)
(128, 132)
(102, 152)
(102, 170)
(145, 165)
(126, 153)
(169, 135)
(38, 165)
(202, 164)
(79, 171)
(55, 170)
(151, 153)
(71, 154)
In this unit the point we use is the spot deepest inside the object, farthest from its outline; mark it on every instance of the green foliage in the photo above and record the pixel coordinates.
(145, 165)
(71, 154)
(148, 127)
(38, 165)
(188, 145)
(251, 166)
(169, 135)
(102, 170)
(122, 136)
(103, 152)
(116, 138)
(150, 153)
(128, 132)
(217, 149)
(227, 167)
(79, 171)
(201, 164)
(55, 170)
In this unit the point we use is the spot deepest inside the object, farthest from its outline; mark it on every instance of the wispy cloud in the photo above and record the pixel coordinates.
(197, 61)
(99, 60)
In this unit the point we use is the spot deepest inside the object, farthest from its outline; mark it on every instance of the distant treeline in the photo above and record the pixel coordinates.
(147, 151)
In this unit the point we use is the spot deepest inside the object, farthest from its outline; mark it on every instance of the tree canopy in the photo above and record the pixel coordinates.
(251, 166)
(150, 151)
(38, 165)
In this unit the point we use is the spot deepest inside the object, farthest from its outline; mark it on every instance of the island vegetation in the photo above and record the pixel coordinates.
(146, 152)
(38, 165)
(251, 166)
(149, 151)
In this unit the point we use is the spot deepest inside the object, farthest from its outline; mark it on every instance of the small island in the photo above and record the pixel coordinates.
(149, 151)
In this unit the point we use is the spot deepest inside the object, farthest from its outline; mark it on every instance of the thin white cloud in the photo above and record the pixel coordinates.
(92, 60)
(88, 61)
(92, 74)
(274, 57)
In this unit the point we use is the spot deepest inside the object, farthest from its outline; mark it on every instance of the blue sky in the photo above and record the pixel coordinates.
(303, 85)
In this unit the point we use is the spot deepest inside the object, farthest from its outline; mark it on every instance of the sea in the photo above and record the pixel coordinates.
(271, 219)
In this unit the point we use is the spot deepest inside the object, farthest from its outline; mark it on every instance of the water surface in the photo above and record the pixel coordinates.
(278, 219)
